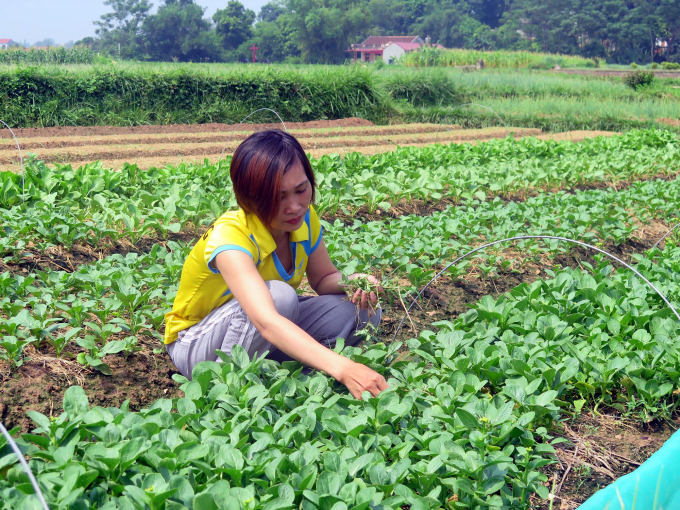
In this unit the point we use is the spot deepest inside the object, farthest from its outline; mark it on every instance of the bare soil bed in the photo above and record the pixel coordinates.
(223, 138)
(669, 122)
(176, 128)
(131, 152)
(575, 136)
(157, 146)
(600, 449)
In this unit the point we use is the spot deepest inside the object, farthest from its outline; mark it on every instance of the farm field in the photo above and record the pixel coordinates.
(524, 354)
(177, 144)
(114, 150)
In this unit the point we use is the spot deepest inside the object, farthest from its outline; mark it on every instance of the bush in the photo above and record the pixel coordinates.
(670, 65)
(638, 79)
(183, 95)
(543, 64)
(655, 65)
(633, 65)
(431, 89)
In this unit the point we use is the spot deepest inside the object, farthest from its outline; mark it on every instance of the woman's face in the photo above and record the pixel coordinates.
(296, 194)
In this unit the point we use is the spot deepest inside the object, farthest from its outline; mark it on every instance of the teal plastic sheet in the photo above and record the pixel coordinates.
(653, 486)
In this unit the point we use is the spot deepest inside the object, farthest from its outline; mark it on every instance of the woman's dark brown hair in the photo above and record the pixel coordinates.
(257, 167)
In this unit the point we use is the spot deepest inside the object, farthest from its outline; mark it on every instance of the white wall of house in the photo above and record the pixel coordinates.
(392, 52)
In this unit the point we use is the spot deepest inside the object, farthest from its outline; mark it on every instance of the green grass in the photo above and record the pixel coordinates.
(132, 94)
(162, 93)
(436, 57)
(553, 102)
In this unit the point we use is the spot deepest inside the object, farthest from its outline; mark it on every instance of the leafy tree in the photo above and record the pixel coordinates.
(48, 41)
(622, 30)
(234, 24)
(323, 29)
(86, 41)
(662, 20)
(120, 31)
(275, 38)
(271, 11)
(320, 30)
(488, 12)
(451, 25)
(390, 17)
(178, 31)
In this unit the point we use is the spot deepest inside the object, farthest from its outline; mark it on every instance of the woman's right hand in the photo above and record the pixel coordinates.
(359, 378)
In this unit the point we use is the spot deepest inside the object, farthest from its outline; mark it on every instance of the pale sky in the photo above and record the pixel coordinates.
(70, 20)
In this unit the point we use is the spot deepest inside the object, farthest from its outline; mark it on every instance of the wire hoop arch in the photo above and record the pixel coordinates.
(520, 238)
(666, 235)
(24, 464)
(21, 158)
(246, 118)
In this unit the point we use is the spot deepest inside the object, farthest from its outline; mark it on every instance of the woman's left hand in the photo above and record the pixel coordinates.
(362, 297)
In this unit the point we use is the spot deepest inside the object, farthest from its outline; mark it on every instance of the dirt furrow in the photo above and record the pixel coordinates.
(132, 153)
(146, 162)
(37, 143)
(179, 128)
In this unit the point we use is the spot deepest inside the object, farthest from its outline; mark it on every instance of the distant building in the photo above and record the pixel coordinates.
(395, 50)
(389, 47)
(661, 46)
(6, 43)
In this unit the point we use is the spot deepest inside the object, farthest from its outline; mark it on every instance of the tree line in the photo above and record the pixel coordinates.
(318, 31)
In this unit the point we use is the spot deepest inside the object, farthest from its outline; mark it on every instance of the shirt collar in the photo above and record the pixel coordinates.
(264, 239)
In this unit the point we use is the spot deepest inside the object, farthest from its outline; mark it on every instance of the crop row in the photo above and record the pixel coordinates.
(438, 57)
(465, 423)
(593, 216)
(40, 56)
(101, 307)
(91, 205)
(508, 164)
(129, 295)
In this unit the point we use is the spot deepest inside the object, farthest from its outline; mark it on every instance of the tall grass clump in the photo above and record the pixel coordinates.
(450, 86)
(115, 95)
(440, 57)
(550, 114)
(434, 87)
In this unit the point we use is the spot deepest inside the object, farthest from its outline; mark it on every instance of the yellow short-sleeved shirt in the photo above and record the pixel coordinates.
(202, 288)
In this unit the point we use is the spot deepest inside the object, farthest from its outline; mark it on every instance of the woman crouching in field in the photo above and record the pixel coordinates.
(238, 283)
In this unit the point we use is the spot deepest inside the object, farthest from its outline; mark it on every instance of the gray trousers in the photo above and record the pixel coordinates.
(324, 318)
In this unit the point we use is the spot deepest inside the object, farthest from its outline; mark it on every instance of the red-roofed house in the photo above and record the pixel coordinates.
(395, 50)
(6, 43)
(388, 47)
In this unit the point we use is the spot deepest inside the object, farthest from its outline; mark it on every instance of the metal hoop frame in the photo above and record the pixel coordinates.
(246, 118)
(666, 235)
(22, 460)
(21, 158)
(519, 238)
